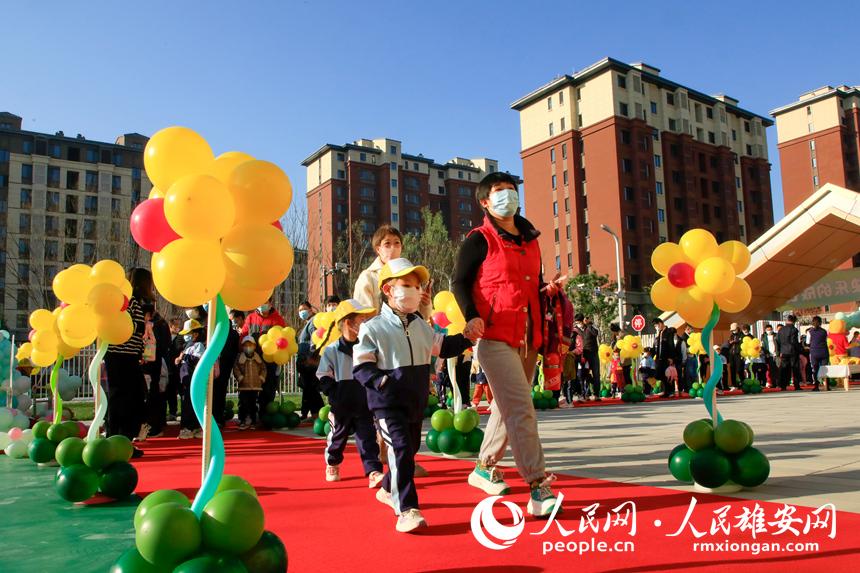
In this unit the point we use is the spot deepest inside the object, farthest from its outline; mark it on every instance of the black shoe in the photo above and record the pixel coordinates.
(136, 453)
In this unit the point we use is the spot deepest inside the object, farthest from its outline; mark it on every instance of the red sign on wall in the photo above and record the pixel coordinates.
(638, 323)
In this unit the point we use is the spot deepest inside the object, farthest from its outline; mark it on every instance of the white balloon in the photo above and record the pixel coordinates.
(67, 394)
(16, 450)
(27, 436)
(75, 381)
(21, 385)
(5, 440)
(21, 421)
(6, 418)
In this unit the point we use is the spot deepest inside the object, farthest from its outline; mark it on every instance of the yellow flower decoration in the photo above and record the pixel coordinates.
(604, 352)
(630, 347)
(694, 344)
(279, 344)
(750, 347)
(698, 273)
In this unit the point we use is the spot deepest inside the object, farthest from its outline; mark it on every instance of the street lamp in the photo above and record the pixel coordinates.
(617, 273)
(329, 271)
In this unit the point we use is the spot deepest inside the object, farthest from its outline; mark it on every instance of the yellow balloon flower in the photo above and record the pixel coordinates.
(262, 192)
(199, 207)
(174, 152)
(630, 347)
(694, 344)
(750, 347)
(604, 353)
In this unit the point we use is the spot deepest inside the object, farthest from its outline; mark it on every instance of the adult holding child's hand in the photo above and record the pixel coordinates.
(497, 283)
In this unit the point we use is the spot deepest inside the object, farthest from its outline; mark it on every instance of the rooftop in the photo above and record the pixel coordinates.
(817, 94)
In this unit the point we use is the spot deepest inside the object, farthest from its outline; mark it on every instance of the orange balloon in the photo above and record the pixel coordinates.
(225, 163)
(116, 328)
(737, 254)
(188, 272)
(664, 295)
(174, 152)
(262, 192)
(257, 256)
(695, 306)
(240, 298)
(736, 298)
(698, 245)
(666, 255)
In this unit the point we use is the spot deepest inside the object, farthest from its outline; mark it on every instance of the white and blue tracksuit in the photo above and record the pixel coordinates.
(349, 412)
(392, 361)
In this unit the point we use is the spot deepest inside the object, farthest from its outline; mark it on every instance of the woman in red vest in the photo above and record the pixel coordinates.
(497, 283)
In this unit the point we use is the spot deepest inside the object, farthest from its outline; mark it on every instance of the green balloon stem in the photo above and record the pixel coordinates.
(98, 392)
(58, 401)
(716, 365)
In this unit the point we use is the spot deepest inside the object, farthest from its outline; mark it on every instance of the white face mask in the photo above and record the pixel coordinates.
(504, 202)
(405, 299)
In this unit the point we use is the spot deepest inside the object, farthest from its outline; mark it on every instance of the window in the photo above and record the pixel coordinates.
(564, 151)
(625, 137)
(676, 177)
(579, 119)
(718, 212)
(549, 103)
(632, 252)
(394, 199)
(570, 259)
(366, 209)
(653, 107)
(414, 199)
(551, 130)
(556, 235)
(22, 299)
(566, 205)
(116, 183)
(562, 124)
(670, 99)
(27, 173)
(340, 157)
(812, 145)
(706, 214)
(756, 221)
(117, 159)
(89, 252)
(71, 204)
(623, 109)
(393, 150)
(709, 112)
(734, 135)
(568, 232)
(24, 223)
(52, 250)
(394, 166)
(89, 229)
(712, 138)
(560, 98)
(70, 252)
(413, 216)
(54, 150)
(628, 194)
(4, 156)
(626, 165)
(564, 177)
(23, 248)
(661, 215)
(747, 126)
(555, 208)
(658, 161)
(738, 182)
(743, 231)
(394, 183)
(91, 205)
(441, 189)
(740, 207)
(367, 193)
(72, 229)
(441, 174)
(553, 182)
(630, 221)
(622, 82)
(558, 263)
(673, 125)
(659, 187)
(415, 167)
(459, 174)
(395, 217)
(552, 154)
(679, 203)
(749, 150)
(52, 225)
(340, 209)
(362, 157)
(341, 174)
(26, 198)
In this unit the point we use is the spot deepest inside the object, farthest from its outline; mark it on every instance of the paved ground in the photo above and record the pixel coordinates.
(812, 440)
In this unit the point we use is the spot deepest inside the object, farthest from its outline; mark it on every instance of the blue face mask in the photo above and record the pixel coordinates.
(188, 338)
(504, 202)
(304, 314)
(264, 308)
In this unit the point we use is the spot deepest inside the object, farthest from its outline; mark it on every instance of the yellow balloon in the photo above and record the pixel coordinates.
(156, 193)
(736, 298)
(174, 152)
(270, 347)
(107, 271)
(73, 284)
(78, 325)
(126, 289)
(257, 257)
(105, 299)
(116, 328)
(442, 299)
(24, 351)
(694, 303)
(66, 351)
(323, 319)
(737, 254)
(604, 353)
(43, 359)
(698, 245)
(240, 298)
(666, 255)
(715, 275)
(456, 327)
(45, 341)
(276, 332)
(452, 311)
(199, 207)
(262, 192)
(42, 319)
(225, 163)
(664, 295)
(188, 272)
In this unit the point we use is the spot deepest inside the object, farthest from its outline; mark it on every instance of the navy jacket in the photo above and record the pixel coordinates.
(393, 362)
(345, 394)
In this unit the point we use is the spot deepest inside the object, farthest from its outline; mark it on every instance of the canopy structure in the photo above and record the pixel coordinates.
(808, 243)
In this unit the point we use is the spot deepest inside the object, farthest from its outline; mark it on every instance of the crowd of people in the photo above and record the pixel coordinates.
(377, 377)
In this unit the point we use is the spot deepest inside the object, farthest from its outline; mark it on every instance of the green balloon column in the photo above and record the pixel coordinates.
(455, 434)
(543, 399)
(281, 415)
(699, 278)
(100, 465)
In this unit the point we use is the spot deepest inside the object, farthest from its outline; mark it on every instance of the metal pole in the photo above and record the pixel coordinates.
(617, 274)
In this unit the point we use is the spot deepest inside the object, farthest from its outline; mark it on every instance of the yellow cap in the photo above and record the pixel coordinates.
(189, 326)
(396, 268)
(351, 306)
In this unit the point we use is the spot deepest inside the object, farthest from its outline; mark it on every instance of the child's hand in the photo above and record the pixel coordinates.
(474, 329)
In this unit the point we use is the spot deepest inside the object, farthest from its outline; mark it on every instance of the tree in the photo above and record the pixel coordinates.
(434, 249)
(354, 249)
(594, 295)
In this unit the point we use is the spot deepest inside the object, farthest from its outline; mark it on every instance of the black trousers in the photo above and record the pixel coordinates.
(171, 393)
(760, 371)
(789, 367)
(126, 395)
(270, 386)
(343, 423)
(403, 439)
(155, 398)
(816, 361)
(248, 405)
(311, 399)
(189, 418)
(737, 365)
(591, 373)
(219, 396)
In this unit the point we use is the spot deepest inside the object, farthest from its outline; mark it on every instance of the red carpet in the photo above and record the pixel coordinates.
(341, 527)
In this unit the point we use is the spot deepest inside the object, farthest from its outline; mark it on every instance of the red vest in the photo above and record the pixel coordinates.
(506, 290)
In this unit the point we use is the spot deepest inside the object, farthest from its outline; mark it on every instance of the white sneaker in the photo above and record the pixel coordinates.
(374, 479)
(185, 434)
(541, 498)
(488, 479)
(383, 496)
(410, 520)
(420, 472)
(144, 432)
(198, 433)
(243, 425)
(332, 473)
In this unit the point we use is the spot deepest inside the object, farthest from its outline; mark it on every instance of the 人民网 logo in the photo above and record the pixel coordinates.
(487, 529)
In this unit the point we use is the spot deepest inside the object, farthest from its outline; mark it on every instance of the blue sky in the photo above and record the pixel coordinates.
(279, 79)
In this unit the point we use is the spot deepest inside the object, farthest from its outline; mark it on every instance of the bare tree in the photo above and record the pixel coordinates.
(434, 249)
(354, 249)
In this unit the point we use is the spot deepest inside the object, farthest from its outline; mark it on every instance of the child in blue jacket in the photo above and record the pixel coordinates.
(347, 397)
(392, 361)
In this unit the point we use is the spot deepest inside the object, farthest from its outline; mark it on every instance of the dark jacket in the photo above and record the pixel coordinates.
(345, 394)
(788, 341)
(664, 346)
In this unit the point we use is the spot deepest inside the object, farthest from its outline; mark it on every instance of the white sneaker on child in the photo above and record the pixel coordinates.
(383, 496)
(332, 473)
(542, 500)
(374, 479)
(410, 520)
(185, 434)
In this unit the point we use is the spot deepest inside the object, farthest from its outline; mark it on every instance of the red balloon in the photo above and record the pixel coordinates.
(282, 343)
(277, 225)
(30, 336)
(440, 319)
(682, 275)
(64, 304)
(320, 332)
(149, 226)
(124, 304)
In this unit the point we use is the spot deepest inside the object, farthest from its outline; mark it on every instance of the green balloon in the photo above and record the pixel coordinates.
(157, 498)
(552, 403)
(464, 421)
(432, 441)
(69, 452)
(750, 468)
(271, 408)
(432, 400)
(604, 393)
(293, 420)
(698, 435)
(750, 431)
(537, 389)
(442, 420)
(122, 448)
(542, 403)
(211, 563)
(72, 428)
(57, 433)
(451, 441)
(118, 480)
(625, 397)
(41, 450)
(230, 404)
(278, 421)
(679, 463)
(40, 429)
(732, 436)
(132, 562)
(323, 413)
(168, 534)
(449, 402)
(268, 556)
(232, 522)
(287, 407)
(547, 394)
(99, 453)
(474, 439)
(230, 482)
(76, 483)
(319, 427)
(710, 467)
